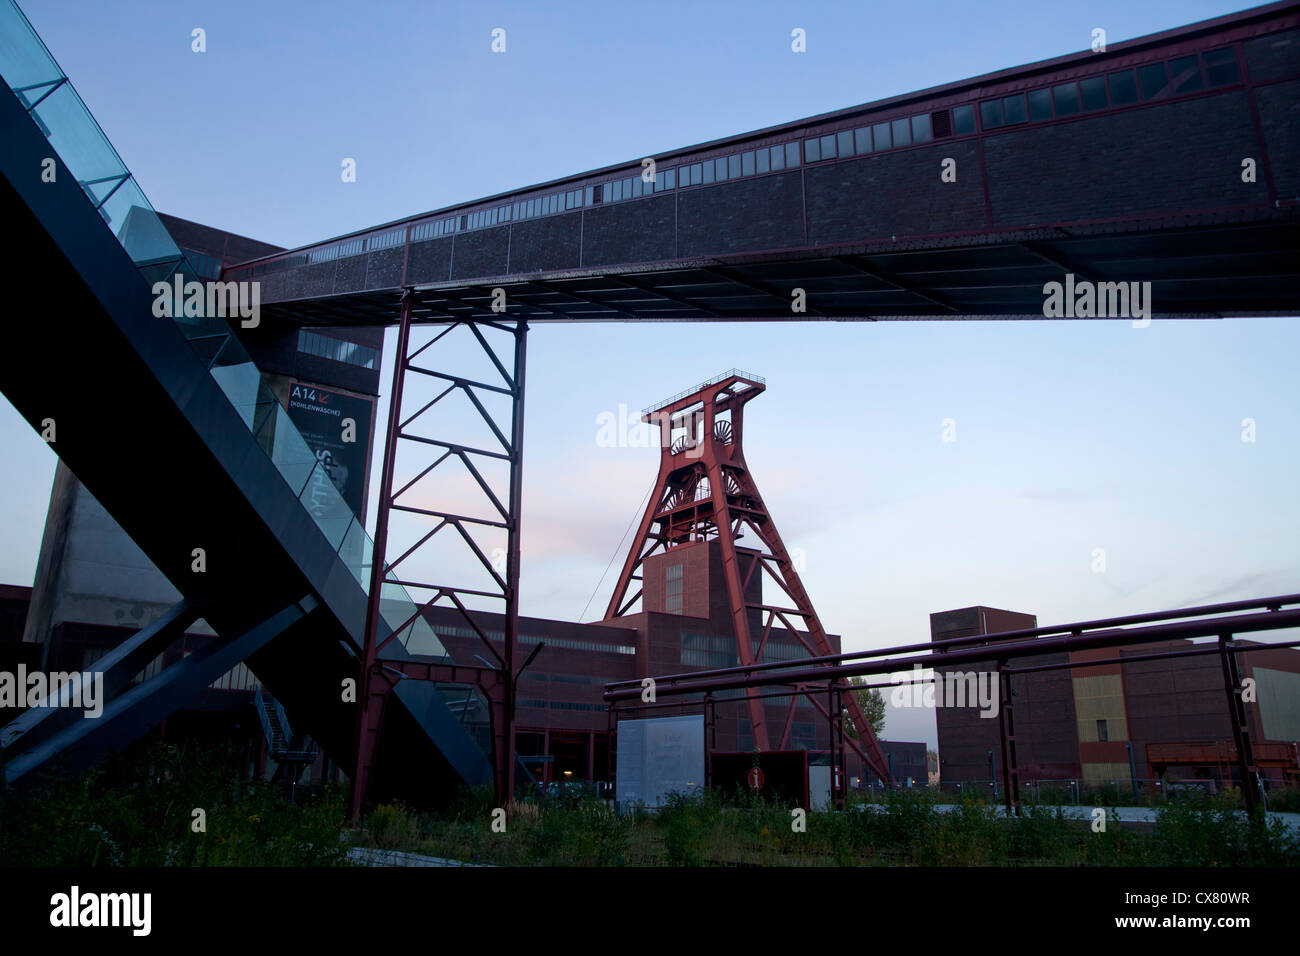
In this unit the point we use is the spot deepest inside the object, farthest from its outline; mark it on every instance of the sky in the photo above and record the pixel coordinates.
(1070, 436)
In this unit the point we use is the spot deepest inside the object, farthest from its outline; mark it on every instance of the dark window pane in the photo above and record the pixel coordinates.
(902, 132)
(1221, 67)
(1122, 88)
(697, 174)
(747, 163)
(708, 172)
(1040, 105)
(812, 150)
(991, 114)
(1187, 74)
(880, 136)
(844, 143)
(763, 158)
(670, 179)
(963, 120)
(921, 129)
(720, 168)
(618, 190)
(733, 166)
(1153, 81)
(1066, 99)
(862, 139)
(1093, 91)
(828, 146)
(791, 155)
(1013, 109)
(778, 157)
(636, 186)
(627, 187)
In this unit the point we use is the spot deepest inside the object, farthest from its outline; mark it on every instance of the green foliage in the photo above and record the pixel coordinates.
(872, 702)
(96, 820)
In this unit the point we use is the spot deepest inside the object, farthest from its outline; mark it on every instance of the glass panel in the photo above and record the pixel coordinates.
(763, 160)
(720, 168)
(921, 132)
(242, 385)
(321, 497)
(880, 136)
(1186, 71)
(1153, 81)
(1123, 90)
(708, 172)
(289, 452)
(1093, 91)
(1221, 67)
(963, 120)
(670, 179)
(25, 60)
(844, 143)
(747, 163)
(812, 150)
(991, 114)
(791, 155)
(1013, 109)
(733, 166)
(778, 157)
(1066, 99)
(862, 139)
(637, 186)
(828, 146)
(902, 132)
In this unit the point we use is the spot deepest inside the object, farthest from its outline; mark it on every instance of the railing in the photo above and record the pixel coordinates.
(50, 99)
(707, 382)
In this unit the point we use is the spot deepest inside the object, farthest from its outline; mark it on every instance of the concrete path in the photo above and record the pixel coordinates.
(366, 856)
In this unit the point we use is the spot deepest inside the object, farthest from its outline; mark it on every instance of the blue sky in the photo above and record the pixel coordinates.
(1070, 436)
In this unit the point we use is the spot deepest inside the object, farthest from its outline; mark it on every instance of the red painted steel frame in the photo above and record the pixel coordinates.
(497, 684)
(683, 511)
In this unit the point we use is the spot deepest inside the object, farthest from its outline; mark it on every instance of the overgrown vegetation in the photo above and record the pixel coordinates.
(141, 813)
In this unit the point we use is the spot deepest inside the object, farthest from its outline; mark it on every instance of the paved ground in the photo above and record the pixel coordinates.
(1123, 814)
(363, 856)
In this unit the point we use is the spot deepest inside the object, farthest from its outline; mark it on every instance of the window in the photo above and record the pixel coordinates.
(1186, 71)
(708, 172)
(747, 163)
(637, 185)
(1122, 88)
(670, 179)
(778, 157)
(673, 589)
(844, 143)
(337, 350)
(862, 139)
(812, 150)
(1066, 99)
(880, 136)
(902, 132)
(1093, 92)
(828, 146)
(1153, 81)
(1220, 67)
(591, 195)
(921, 129)
(733, 166)
(791, 155)
(720, 168)
(764, 160)
(1013, 109)
(1102, 733)
(963, 121)
(991, 114)
(1040, 105)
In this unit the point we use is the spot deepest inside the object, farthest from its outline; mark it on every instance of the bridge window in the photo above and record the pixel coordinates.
(902, 133)
(1013, 109)
(763, 160)
(747, 163)
(991, 114)
(1093, 91)
(880, 135)
(862, 139)
(1154, 81)
(1187, 74)
(963, 121)
(1040, 105)
(921, 129)
(1220, 66)
(1123, 90)
(1066, 99)
(828, 146)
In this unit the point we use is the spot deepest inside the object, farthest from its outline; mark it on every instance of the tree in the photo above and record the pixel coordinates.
(872, 702)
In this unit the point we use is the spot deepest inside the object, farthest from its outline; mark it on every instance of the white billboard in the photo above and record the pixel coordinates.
(658, 756)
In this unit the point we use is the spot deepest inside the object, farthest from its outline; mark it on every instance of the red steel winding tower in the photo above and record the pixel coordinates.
(705, 492)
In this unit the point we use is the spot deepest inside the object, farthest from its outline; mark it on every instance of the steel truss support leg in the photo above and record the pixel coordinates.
(1240, 725)
(498, 515)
